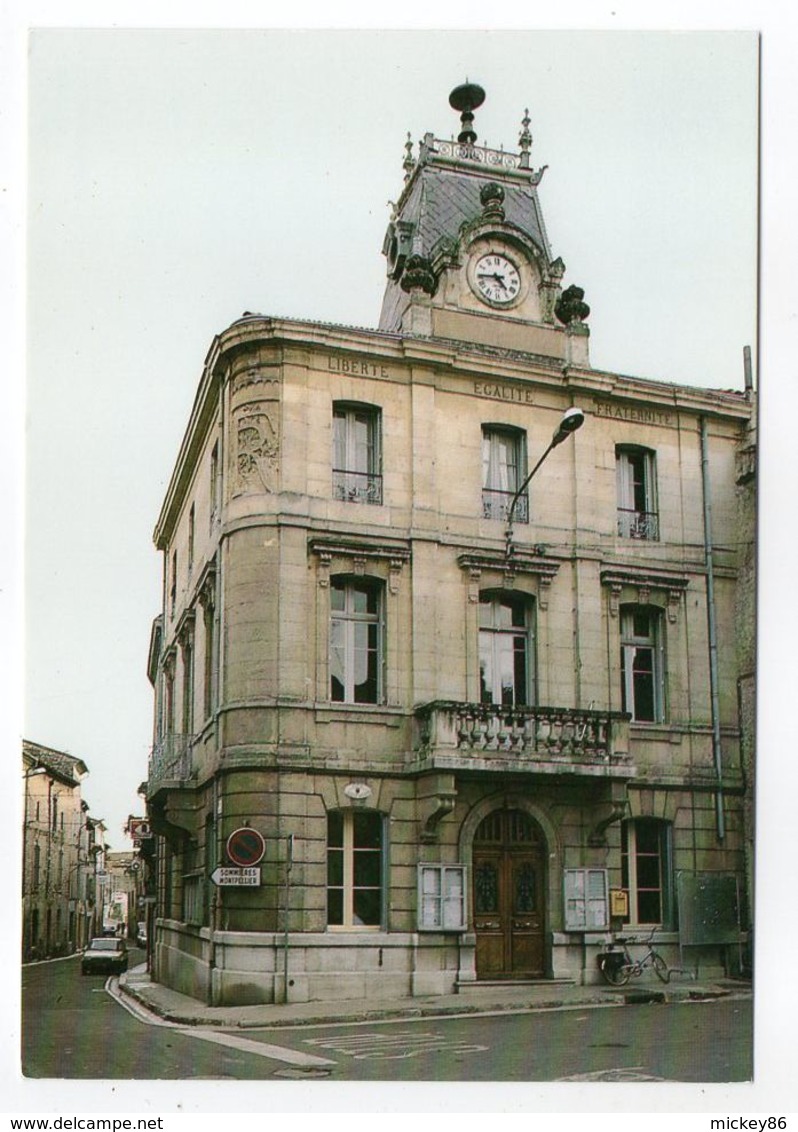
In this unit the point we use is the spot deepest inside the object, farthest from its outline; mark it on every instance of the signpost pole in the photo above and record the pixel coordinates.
(289, 860)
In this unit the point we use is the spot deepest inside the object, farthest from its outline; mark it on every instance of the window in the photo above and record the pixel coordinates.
(37, 864)
(207, 676)
(503, 471)
(441, 898)
(166, 892)
(191, 538)
(642, 693)
(636, 482)
(215, 486)
(188, 685)
(357, 460)
(193, 892)
(354, 869)
(169, 700)
(173, 584)
(210, 865)
(356, 631)
(647, 870)
(505, 675)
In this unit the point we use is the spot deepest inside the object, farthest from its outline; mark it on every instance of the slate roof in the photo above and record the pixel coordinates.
(442, 200)
(63, 766)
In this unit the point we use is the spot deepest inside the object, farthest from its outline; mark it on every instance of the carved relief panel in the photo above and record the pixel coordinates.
(256, 457)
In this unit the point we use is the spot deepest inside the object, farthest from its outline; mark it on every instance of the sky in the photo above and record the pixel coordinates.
(176, 178)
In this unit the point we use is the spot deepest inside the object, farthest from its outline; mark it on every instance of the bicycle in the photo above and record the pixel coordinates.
(619, 966)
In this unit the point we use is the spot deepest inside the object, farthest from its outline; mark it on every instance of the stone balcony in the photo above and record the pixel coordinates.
(535, 740)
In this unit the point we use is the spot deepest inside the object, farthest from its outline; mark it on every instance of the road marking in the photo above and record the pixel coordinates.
(630, 1073)
(393, 1047)
(246, 1045)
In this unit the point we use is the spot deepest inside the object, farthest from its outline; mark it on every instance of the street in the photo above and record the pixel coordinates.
(73, 1028)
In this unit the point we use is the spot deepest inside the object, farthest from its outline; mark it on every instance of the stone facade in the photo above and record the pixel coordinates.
(464, 744)
(58, 882)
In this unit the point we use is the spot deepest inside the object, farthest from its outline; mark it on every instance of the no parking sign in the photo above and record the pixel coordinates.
(245, 847)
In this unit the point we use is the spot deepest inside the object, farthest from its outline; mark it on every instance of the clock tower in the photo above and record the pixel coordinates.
(467, 253)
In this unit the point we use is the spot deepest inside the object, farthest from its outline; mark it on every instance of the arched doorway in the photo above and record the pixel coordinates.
(509, 859)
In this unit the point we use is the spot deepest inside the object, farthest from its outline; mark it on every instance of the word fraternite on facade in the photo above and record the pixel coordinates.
(433, 709)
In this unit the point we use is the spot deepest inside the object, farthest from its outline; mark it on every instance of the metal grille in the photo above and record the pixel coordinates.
(357, 487)
(170, 759)
(497, 504)
(638, 524)
(479, 154)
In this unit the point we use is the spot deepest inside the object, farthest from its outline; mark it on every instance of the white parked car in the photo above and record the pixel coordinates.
(104, 954)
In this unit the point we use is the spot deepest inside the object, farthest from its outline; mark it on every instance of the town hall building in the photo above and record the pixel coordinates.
(447, 671)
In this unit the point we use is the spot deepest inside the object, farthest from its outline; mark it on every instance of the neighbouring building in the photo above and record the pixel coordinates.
(420, 721)
(57, 863)
(138, 829)
(97, 877)
(123, 893)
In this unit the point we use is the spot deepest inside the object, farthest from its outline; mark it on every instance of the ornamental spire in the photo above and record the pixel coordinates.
(525, 140)
(408, 162)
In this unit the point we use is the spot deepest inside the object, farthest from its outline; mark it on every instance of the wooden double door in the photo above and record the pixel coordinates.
(508, 874)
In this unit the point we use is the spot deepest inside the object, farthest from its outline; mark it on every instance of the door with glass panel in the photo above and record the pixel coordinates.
(505, 653)
(355, 641)
(508, 896)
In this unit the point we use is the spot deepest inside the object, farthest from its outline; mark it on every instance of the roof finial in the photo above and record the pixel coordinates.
(466, 98)
(525, 140)
(408, 162)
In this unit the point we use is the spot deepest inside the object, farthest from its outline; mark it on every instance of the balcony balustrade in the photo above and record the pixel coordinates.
(357, 487)
(638, 524)
(545, 739)
(496, 505)
(170, 761)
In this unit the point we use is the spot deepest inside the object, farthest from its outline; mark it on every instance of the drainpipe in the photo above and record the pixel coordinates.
(713, 633)
(289, 860)
(214, 895)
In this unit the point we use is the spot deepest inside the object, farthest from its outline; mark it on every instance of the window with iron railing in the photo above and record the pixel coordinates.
(357, 456)
(637, 494)
(503, 470)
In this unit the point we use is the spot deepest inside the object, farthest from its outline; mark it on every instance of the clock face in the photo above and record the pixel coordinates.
(497, 279)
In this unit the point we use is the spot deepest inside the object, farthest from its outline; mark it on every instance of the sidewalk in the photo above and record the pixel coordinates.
(481, 999)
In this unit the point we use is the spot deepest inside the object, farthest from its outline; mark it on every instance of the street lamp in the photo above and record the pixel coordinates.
(572, 419)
